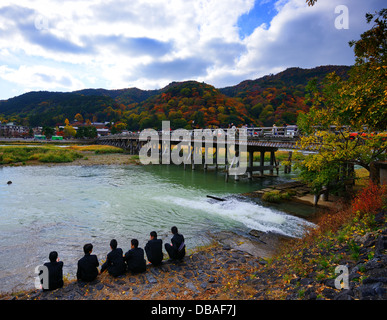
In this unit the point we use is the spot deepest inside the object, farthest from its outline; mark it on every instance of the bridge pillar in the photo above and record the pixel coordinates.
(288, 168)
(250, 165)
(215, 157)
(272, 159)
(262, 162)
(226, 161)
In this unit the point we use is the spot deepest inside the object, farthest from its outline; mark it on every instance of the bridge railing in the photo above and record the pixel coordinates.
(255, 133)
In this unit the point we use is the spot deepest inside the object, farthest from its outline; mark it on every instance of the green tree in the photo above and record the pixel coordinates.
(48, 132)
(347, 117)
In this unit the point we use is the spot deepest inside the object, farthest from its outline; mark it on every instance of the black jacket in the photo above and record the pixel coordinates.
(115, 263)
(135, 261)
(154, 251)
(87, 267)
(55, 275)
(177, 250)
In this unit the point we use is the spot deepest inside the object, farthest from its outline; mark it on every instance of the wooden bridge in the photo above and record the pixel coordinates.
(220, 146)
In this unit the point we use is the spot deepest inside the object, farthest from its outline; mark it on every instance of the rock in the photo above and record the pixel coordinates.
(368, 240)
(155, 271)
(151, 279)
(175, 267)
(175, 290)
(256, 233)
(372, 291)
(381, 245)
(191, 286)
(306, 281)
(345, 295)
(329, 293)
(353, 275)
(99, 286)
(329, 283)
(211, 279)
(370, 280)
(203, 285)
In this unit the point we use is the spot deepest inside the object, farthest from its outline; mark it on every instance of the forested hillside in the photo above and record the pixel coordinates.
(261, 102)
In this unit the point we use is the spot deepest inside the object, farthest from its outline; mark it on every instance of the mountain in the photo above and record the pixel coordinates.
(125, 96)
(291, 77)
(279, 98)
(261, 102)
(188, 104)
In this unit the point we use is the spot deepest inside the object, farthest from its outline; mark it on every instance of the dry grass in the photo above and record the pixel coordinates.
(97, 149)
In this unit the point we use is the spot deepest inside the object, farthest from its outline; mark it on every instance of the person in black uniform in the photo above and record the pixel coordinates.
(55, 272)
(115, 263)
(154, 249)
(87, 266)
(176, 251)
(134, 258)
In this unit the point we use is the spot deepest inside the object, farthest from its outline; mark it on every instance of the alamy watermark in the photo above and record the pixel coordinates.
(41, 22)
(231, 147)
(342, 20)
(41, 280)
(342, 280)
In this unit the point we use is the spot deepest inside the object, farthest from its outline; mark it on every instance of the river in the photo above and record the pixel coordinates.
(61, 208)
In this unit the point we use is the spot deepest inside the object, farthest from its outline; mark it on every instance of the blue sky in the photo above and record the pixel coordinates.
(67, 45)
(262, 12)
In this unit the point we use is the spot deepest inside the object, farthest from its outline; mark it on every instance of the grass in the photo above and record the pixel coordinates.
(22, 155)
(11, 155)
(97, 149)
(276, 196)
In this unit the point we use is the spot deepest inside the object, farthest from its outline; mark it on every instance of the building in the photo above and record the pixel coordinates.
(13, 131)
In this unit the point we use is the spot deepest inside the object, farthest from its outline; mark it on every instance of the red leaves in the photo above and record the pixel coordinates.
(369, 200)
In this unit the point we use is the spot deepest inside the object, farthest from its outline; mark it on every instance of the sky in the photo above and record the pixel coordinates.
(68, 45)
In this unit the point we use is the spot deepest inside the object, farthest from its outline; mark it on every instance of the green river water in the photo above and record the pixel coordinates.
(63, 207)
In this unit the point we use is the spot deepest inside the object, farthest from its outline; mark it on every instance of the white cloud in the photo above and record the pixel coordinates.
(304, 36)
(40, 78)
(149, 43)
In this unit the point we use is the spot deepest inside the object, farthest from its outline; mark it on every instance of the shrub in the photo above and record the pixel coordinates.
(370, 200)
(361, 211)
(275, 196)
(59, 156)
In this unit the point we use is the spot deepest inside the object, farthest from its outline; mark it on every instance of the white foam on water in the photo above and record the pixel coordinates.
(250, 214)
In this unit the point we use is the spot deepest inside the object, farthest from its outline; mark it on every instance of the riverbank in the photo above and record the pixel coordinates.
(222, 272)
(248, 267)
(21, 155)
(295, 191)
(240, 267)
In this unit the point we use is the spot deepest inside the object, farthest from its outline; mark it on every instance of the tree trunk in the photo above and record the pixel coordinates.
(374, 173)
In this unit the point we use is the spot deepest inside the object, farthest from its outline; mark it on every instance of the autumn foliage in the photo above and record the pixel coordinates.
(190, 104)
(370, 200)
(365, 205)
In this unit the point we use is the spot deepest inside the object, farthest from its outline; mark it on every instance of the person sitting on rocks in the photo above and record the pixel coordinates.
(176, 251)
(55, 272)
(115, 263)
(134, 258)
(154, 249)
(88, 265)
